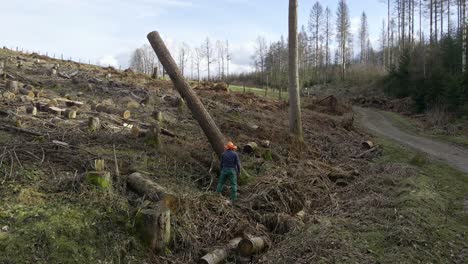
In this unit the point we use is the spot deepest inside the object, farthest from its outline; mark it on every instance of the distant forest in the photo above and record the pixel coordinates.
(421, 54)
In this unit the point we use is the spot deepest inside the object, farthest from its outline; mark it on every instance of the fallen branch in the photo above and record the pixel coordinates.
(19, 130)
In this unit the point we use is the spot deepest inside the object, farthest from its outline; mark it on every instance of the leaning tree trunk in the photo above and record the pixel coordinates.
(212, 132)
(295, 122)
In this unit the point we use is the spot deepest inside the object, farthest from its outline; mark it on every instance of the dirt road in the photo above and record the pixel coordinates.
(379, 124)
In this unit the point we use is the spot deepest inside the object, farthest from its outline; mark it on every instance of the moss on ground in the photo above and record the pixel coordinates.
(57, 228)
(427, 223)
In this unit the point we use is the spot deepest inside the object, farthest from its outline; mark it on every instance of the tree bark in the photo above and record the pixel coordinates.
(152, 190)
(295, 121)
(212, 132)
(252, 245)
(154, 227)
(125, 114)
(219, 255)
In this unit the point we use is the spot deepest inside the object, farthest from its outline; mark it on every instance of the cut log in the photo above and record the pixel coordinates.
(125, 114)
(38, 93)
(252, 245)
(31, 110)
(368, 144)
(70, 103)
(219, 255)
(151, 190)
(70, 114)
(9, 95)
(27, 93)
(56, 110)
(94, 124)
(154, 227)
(12, 86)
(250, 148)
(42, 106)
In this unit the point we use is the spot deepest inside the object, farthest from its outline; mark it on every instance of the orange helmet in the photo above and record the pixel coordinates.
(230, 146)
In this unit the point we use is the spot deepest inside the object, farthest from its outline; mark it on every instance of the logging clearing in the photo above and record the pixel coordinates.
(99, 165)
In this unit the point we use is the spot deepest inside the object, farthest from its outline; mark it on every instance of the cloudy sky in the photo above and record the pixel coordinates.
(107, 31)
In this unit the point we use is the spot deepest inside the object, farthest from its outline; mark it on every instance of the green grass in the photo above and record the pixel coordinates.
(407, 124)
(57, 228)
(428, 222)
(259, 92)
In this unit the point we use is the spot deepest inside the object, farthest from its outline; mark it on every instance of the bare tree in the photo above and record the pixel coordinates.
(364, 38)
(184, 53)
(295, 121)
(343, 35)
(143, 60)
(221, 52)
(207, 50)
(259, 57)
(198, 60)
(315, 25)
(328, 26)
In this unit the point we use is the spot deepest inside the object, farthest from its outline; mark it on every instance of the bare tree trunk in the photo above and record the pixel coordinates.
(465, 31)
(212, 132)
(295, 121)
(431, 11)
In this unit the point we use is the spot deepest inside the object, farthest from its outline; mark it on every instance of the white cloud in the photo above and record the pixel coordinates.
(108, 61)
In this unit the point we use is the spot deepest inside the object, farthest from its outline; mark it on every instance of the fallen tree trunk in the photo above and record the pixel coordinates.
(151, 190)
(219, 255)
(125, 114)
(19, 130)
(252, 245)
(212, 132)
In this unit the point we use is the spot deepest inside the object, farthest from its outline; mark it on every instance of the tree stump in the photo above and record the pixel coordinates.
(31, 110)
(252, 245)
(153, 136)
(28, 93)
(101, 179)
(94, 124)
(368, 144)
(12, 87)
(250, 148)
(9, 95)
(154, 228)
(155, 73)
(70, 114)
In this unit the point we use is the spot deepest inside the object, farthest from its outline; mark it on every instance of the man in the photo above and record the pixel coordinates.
(230, 168)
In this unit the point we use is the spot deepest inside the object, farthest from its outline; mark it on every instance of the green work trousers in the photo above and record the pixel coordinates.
(232, 175)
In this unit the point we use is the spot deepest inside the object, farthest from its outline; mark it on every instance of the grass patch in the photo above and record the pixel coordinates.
(45, 228)
(274, 94)
(408, 124)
